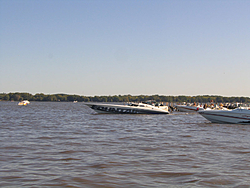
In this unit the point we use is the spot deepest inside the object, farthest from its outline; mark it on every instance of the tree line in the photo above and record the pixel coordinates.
(121, 98)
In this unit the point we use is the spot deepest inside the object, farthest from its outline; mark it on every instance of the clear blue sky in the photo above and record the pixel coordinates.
(118, 47)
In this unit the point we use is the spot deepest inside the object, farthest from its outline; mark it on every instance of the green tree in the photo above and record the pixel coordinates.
(6, 97)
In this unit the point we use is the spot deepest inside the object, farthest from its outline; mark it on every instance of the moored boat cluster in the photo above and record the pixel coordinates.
(216, 113)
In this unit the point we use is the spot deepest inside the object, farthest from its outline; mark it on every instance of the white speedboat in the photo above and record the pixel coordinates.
(238, 116)
(187, 108)
(23, 103)
(131, 108)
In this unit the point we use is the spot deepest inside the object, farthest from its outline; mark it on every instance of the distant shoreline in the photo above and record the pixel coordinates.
(121, 98)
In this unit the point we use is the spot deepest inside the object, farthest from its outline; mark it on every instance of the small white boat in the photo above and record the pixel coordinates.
(238, 116)
(131, 108)
(187, 108)
(23, 103)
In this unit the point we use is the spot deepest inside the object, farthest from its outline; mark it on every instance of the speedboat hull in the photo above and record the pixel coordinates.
(237, 116)
(125, 109)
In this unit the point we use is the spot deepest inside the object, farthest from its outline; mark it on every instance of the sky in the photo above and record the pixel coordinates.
(120, 47)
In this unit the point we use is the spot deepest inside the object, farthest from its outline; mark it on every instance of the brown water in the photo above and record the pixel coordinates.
(67, 145)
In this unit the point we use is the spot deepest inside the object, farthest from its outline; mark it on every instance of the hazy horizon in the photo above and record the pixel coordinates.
(120, 94)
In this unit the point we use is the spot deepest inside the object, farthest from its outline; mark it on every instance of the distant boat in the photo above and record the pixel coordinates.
(237, 116)
(131, 108)
(74, 101)
(23, 103)
(186, 108)
(195, 108)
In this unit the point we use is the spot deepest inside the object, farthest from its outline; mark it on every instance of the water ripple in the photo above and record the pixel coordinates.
(66, 145)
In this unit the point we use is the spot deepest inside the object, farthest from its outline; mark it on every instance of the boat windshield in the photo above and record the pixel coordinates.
(133, 104)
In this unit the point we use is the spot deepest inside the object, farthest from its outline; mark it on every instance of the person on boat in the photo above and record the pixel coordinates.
(205, 106)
